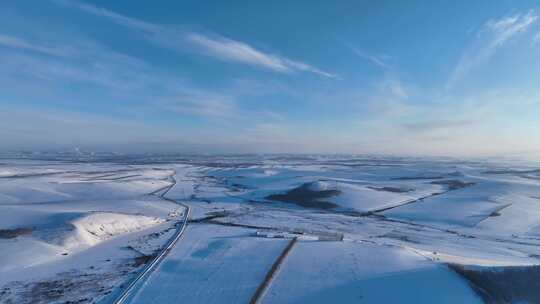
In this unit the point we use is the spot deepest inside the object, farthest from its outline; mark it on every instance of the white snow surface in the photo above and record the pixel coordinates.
(65, 210)
(400, 221)
(100, 226)
(214, 264)
(329, 272)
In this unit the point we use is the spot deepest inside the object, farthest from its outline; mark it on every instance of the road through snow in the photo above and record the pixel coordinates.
(125, 295)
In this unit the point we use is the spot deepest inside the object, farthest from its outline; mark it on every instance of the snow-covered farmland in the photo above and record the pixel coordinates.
(213, 264)
(324, 272)
(374, 230)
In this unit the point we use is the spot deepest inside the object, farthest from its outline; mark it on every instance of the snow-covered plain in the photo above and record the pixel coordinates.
(368, 229)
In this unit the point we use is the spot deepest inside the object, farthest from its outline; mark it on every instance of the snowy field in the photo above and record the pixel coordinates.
(365, 230)
(211, 260)
(325, 272)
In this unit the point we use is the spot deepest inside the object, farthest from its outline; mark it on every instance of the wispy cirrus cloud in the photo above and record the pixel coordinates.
(201, 103)
(236, 51)
(436, 125)
(536, 38)
(214, 46)
(19, 43)
(505, 28)
(69, 61)
(493, 35)
(217, 106)
(376, 60)
(120, 19)
(129, 79)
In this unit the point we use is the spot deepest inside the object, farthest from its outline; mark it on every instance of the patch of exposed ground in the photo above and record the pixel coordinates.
(391, 189)
(88, 285)
(497, 212)
(306, 197)
(453, 184)
(74, 286)
(514, 284)
(399, 236)
(143, 259)
(13, 233)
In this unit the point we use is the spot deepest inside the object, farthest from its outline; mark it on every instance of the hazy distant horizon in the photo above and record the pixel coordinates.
(142, 154)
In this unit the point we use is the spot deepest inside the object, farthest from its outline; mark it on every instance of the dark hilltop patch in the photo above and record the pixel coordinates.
(13, 233)
(305, 196)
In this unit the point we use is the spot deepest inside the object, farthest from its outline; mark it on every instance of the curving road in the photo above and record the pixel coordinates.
(181, 227)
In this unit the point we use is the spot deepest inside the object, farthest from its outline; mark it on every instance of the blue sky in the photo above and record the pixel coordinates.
(396, 77)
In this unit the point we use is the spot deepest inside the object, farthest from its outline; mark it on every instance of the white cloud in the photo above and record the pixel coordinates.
(202, 103)
(73, 61)
(128, 79)
(371, 58)
(218, 47)
(231, 50)
(18, 43)
(115, 17)
(397, 89)
(435, 125)
(506, 28)
(536, 38)
(236, 51)
(304, 67)
(493, 35)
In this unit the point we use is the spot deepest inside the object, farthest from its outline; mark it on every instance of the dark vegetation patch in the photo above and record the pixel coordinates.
(359, 165)
(226, 164)
(453, 184)
(533, 177)
(512, 171)
(13, 233)
(27, 175)
(417, 177)
(306, 197)
(211, 216)
(237, 187)
(113, 177)
(292, 158)
(143, 259)
(400, 237)
(67, 287)
(514, 284)
(391, 189)
(497, 212)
